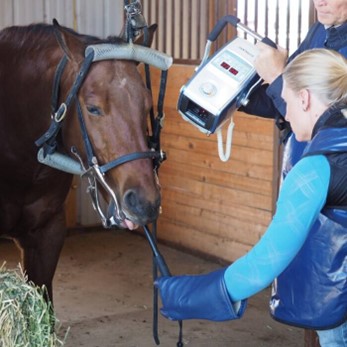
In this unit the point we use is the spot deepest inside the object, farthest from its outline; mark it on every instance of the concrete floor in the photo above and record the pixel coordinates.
(103, 294)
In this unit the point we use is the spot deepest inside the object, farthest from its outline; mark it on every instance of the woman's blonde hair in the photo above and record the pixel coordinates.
(322, 71)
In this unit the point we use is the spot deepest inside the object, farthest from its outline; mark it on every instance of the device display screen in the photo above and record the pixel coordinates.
(227, 66)
(232, 65)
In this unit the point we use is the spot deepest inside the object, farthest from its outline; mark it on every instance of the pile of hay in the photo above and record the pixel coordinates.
(26, 319)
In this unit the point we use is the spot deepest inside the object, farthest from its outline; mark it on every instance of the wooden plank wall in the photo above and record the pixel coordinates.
(211, 207)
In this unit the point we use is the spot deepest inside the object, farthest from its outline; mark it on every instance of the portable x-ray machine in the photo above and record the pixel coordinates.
(221, 84)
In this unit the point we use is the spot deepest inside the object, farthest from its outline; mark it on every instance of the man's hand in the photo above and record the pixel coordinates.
(270, 62)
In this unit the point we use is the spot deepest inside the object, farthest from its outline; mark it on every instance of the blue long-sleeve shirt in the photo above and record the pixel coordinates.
(302, 197)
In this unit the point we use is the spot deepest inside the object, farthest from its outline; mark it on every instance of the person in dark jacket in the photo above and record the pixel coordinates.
(307, 265)
(330, 31)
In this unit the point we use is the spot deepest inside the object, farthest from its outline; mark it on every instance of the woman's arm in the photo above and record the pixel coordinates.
(302, 196)
(221, 295)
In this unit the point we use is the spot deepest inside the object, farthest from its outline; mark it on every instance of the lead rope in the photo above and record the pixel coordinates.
(159, 262)
(157, 125)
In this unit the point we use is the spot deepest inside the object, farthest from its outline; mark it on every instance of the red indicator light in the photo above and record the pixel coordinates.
(225, 65)
(233, 71)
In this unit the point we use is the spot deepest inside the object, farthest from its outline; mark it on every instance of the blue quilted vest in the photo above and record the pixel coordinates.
(312, 292)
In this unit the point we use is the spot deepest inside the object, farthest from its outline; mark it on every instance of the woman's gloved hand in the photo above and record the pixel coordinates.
(198, 297)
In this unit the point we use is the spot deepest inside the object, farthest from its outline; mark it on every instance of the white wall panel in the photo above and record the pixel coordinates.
(28, 11)
(6, 13)
(62, 10)
(94, 17)
(87, 11)
(113, 17)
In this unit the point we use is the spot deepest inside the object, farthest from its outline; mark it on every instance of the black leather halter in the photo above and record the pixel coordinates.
(92, 170)
(49, 139)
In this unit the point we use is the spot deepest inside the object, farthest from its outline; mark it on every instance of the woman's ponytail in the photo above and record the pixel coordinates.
(322, 71)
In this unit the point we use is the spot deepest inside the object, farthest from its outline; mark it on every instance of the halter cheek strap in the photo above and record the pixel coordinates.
(48, 139)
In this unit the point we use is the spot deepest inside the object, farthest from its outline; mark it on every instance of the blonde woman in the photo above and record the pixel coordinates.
(307, 266)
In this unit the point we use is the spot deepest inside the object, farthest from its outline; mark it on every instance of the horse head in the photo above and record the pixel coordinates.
(107, 127)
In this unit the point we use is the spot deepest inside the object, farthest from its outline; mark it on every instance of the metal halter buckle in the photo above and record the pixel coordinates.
(133, 8)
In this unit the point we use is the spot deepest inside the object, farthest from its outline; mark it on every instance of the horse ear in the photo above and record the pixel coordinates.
(151, 31)
(69, 42)
(140, 40)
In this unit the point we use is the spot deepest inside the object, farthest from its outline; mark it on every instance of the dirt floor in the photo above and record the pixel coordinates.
(103, 293)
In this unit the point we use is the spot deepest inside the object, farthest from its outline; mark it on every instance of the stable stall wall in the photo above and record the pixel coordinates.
(219, 209)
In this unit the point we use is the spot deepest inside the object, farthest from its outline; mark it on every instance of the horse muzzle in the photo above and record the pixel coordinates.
(134, 211)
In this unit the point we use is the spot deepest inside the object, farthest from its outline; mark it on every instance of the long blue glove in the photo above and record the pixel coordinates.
(198, 297)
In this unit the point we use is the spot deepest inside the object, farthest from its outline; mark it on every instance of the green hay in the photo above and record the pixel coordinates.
(26, 319)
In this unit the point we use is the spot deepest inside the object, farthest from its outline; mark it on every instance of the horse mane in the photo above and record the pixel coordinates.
(37, 36)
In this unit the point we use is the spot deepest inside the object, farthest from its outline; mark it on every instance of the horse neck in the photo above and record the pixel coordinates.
(27, 68)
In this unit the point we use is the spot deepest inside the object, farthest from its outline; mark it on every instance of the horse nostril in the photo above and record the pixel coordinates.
(140, 207)
(130, 199)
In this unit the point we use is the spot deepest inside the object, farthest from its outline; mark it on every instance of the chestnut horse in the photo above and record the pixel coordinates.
(100, 115)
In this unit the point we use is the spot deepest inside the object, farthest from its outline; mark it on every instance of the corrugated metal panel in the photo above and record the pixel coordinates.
(95, 17)
(62, 10)
(183, 25)
(27, 11)
(6, 13)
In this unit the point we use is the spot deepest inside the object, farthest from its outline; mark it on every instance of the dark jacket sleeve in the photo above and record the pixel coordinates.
(260, 104)
(267, 101)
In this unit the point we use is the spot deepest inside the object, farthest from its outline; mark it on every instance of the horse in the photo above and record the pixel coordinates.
(82, 99)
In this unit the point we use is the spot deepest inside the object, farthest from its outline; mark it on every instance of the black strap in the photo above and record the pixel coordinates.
(155, 289)
(129, 157)
(149, 87)
(162, 90)
(87, 144)
(49, 136)
(80, 78)
(56, 83)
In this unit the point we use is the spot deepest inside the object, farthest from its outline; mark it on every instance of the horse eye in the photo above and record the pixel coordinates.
(94, 110)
